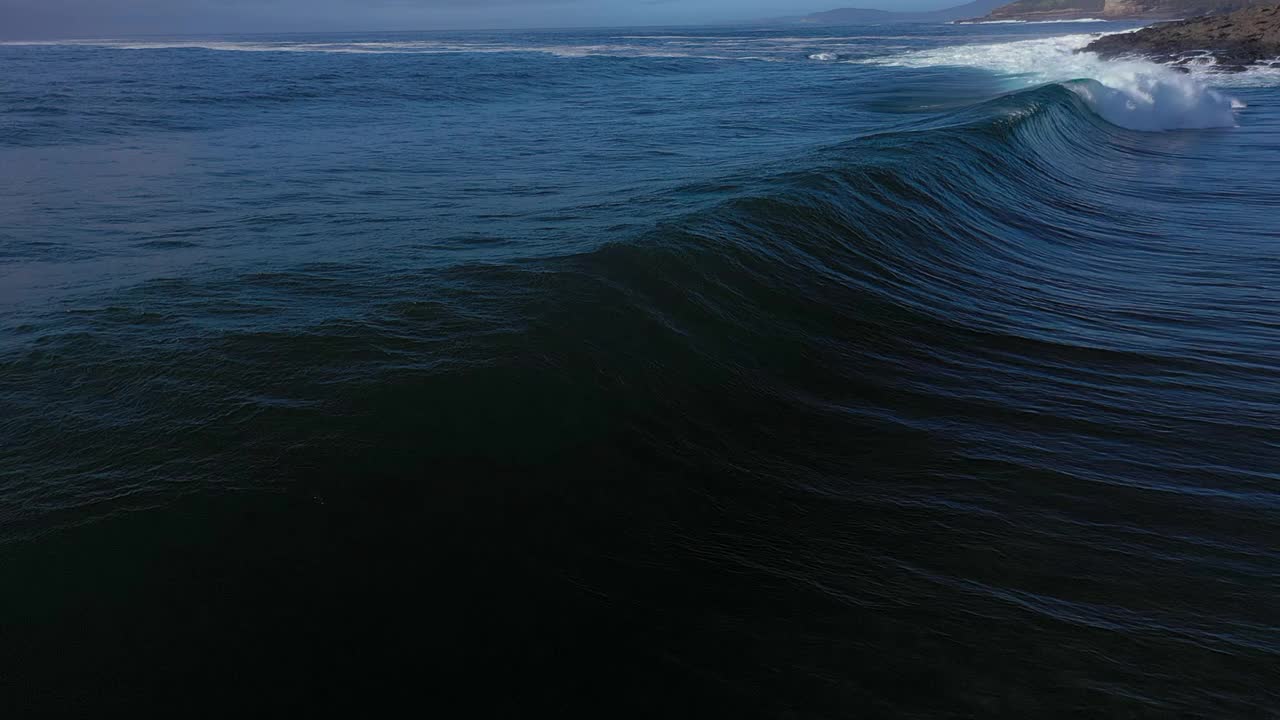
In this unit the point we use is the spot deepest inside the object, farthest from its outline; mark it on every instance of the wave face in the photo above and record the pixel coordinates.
(923, 372)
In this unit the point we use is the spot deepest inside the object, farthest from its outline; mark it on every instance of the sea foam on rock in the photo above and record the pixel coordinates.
(1235, 41)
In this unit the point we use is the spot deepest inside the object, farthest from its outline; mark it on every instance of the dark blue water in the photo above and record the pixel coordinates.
(892, 372)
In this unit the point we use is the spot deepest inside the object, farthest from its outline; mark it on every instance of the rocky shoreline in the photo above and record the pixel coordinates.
(1142, 10)
(1235, 41)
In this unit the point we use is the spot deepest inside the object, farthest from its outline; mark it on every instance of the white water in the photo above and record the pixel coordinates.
(423, 47)
(1134, 94)
(1144, 101)
(1028, 22)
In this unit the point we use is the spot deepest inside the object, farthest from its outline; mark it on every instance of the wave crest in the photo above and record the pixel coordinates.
(1133, 94)
(1152, 104)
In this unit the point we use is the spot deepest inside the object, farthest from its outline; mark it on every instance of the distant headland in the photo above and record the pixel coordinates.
(1037, 11)
(861, 16)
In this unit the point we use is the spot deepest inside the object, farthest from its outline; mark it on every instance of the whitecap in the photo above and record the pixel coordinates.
(1132, 93)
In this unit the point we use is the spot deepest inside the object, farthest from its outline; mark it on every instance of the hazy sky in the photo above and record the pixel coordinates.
(71, 18)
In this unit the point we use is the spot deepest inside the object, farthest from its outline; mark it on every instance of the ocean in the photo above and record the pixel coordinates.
(898, 371)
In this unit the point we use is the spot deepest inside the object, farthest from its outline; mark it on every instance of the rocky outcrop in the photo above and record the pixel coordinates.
(1164, 9)
(1236, 40)
(1032, 10)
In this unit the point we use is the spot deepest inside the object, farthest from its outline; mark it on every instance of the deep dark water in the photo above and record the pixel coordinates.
(634, 384)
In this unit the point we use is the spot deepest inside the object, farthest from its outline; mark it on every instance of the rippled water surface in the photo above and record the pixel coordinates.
(895, 371)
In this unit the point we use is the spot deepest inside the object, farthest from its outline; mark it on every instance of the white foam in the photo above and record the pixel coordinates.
(1142, 101)
(235, 46)
(1254, 76)
(1028, 22)
(824, 56)
(421, 47)
(1135, 94)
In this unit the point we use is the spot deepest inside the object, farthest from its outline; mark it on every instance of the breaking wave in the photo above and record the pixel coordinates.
(1134, 94)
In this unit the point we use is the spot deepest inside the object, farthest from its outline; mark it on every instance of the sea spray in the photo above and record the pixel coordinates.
(1145, 102)
(1134, 94)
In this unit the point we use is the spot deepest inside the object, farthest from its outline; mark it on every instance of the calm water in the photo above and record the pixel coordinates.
(866, 372)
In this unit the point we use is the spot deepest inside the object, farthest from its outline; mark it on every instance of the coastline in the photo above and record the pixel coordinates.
(1232, 42)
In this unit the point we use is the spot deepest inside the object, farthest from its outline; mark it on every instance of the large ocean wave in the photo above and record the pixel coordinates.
(930, 386)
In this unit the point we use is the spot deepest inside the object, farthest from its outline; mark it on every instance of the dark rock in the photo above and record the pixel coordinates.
(1242, 38)
(1031, 10)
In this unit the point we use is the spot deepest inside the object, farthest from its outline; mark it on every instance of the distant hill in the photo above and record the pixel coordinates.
(862, 16)
(1032, 10)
